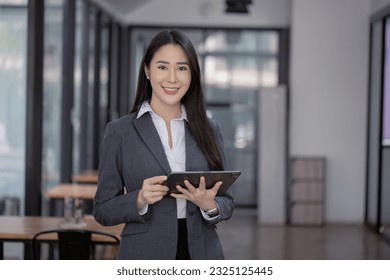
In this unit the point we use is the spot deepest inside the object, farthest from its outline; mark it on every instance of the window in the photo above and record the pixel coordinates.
(13, 36)
(52, 88)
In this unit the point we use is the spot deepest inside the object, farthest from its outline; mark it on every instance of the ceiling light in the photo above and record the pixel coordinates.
(237, 6)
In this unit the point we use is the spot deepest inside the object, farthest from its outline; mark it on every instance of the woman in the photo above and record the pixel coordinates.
(167, 130)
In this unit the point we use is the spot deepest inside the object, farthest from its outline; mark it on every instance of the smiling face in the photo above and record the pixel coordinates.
(170, 77)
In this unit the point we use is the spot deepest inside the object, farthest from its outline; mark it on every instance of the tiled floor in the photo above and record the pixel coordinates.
(242, 238)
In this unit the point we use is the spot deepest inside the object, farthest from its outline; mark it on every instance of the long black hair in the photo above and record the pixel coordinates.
(193, 100)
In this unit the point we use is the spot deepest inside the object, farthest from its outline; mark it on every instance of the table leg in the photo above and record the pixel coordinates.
(1, 250)
(52, 207)
(28, 251)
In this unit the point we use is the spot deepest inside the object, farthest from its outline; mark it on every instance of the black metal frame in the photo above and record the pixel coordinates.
(124, 71)
(96, 91)
(284, 70)
(34, 107)
(113, 102)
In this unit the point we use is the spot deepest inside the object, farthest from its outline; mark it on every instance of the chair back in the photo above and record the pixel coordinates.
(73, 244)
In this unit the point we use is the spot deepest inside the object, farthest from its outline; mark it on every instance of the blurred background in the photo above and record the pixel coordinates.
(301, 89)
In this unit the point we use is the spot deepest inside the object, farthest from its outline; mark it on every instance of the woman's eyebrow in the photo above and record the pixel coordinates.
(166, 62)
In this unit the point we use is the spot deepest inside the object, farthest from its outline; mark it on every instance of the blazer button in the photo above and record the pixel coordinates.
(191, 212)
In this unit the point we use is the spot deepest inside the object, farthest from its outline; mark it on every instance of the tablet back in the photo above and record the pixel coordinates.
(211, 177)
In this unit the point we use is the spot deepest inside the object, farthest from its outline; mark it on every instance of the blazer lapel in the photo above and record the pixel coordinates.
(149, 135)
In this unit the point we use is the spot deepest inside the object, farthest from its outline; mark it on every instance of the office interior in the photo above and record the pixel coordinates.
(301, 89)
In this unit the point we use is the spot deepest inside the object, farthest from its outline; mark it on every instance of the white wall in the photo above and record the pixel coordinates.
(329, 74)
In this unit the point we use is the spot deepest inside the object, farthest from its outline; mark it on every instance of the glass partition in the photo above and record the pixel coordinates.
(76, 116)
(13, 64)
(89, 151)
(103, 79)
(236, 65)
(52, 88)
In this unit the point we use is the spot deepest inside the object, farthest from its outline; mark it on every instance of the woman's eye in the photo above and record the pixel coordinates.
(162, 67)
(182, 68)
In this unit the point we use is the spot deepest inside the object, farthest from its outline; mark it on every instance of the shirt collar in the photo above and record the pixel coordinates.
(145, 107)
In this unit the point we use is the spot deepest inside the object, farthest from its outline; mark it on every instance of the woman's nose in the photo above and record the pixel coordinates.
(171, 76)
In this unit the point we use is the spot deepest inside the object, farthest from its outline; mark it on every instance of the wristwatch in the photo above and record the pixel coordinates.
(212, 212)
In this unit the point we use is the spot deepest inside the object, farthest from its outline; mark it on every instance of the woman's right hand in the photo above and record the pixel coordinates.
(152, 191)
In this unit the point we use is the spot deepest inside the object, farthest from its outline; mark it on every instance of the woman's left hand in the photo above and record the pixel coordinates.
(202, 197)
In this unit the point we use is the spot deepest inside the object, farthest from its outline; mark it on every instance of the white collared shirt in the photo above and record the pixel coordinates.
(177, 154)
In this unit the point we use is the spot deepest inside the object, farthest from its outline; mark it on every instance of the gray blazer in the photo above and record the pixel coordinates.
(132, 151)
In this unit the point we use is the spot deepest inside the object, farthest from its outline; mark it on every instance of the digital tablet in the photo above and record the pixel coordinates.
(211, 177)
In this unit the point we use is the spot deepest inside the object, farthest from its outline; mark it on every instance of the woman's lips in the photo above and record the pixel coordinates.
(169, 90)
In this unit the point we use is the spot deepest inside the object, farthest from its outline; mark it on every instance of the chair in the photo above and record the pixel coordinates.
(74, 244)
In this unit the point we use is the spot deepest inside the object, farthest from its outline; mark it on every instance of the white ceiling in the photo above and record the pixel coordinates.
(121, 9)
(198, 13)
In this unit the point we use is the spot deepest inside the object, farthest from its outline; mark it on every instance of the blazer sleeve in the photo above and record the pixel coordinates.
(111, 205)
(226, 201)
